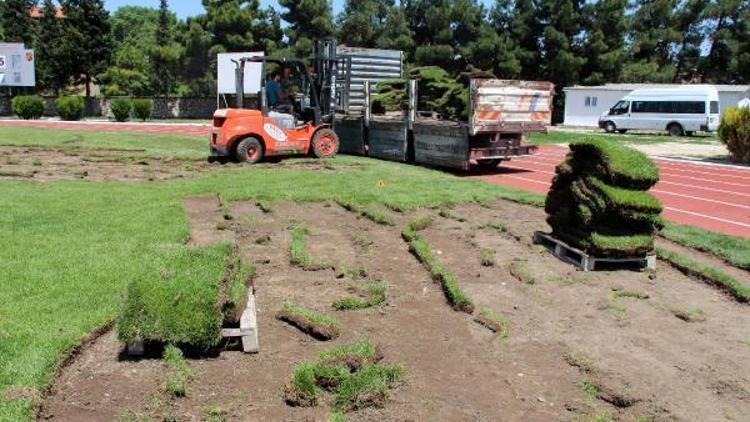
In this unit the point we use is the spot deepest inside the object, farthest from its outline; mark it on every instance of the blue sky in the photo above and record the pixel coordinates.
(185, 8)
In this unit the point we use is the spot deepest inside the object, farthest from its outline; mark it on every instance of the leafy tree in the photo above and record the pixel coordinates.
(653, 37)
(196, 64)
(88, 29)
(605, 26)
(527, 31)
(506, 61)
(431, 23)
(53, 52)
(362, 22)
(165, 55)
(563, 59)
(728, 28)
(308, 20)
(689, 22)
(16, 20)
(240, 25)
(396, 34)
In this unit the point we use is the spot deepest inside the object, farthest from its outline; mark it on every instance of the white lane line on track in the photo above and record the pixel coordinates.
(698, 198)
(663, 173)
(675, 161)
(728, 192)
(710, 217)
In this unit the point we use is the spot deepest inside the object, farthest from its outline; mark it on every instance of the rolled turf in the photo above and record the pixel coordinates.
(598, 200)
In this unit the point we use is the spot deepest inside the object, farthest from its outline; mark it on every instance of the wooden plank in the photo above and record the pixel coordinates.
(249, 326)
(585, 261)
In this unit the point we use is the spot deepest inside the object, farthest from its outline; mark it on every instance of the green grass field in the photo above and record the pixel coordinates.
(70, 248)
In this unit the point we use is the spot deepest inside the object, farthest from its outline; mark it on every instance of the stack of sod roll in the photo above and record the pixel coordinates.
(598, 200)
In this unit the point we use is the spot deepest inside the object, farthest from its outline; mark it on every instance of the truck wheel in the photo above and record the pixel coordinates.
(610, 127)
(487, 164)
(250, 151)
(675, 129)
(325, 143)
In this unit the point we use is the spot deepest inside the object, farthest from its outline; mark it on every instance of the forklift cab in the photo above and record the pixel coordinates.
(295, 99)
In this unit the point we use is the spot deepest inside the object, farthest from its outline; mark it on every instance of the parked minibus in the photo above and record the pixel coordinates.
(679, 111)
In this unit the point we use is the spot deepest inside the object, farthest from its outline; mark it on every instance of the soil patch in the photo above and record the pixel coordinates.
(644, 361)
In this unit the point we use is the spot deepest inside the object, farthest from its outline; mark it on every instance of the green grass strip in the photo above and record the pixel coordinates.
(734, 250)
(375, 292)
(488, 257)
(309, 321)
(713, 276)
(633, 199)
(625, 166)
(368, 212)
(421, 249)
(370, 385)
(179, 375)
(240, 274)
(298, 247)
(495, 322)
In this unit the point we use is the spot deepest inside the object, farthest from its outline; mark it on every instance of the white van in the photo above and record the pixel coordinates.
(680, 110)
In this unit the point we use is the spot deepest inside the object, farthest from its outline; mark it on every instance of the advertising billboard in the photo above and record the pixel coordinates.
(16, 65)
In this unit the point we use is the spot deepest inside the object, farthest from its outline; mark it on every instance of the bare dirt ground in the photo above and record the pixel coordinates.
(569, 330)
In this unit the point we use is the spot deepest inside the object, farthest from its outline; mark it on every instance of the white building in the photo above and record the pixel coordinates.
(584, 104)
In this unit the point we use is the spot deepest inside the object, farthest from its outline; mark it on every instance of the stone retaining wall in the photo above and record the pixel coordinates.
(172, 108)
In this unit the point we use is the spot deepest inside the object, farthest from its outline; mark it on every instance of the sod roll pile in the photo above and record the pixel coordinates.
(598, 200)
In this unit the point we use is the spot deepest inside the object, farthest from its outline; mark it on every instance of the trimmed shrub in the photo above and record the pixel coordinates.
(70, 108)
(734, 132)
(142, 109)
(28, 106)
(121, 108)
(598, 200)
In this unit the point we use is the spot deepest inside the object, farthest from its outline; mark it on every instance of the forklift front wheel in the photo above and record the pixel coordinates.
(250, 150)
(325, 143)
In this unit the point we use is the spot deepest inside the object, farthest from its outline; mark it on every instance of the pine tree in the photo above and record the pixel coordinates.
(16, 20)
(563, 59)
(431, 23)
(87, 27)
(396, 34)
(165, 55)
(363, 21)
(309, 20)
(196, 75)
(728, 28)
(604, 47)
(689, 22)
(653, 41)
(506, 63)
(53, 54)
(526, 30)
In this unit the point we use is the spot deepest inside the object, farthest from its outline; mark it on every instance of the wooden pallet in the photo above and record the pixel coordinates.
(587, 262)
(248, 331)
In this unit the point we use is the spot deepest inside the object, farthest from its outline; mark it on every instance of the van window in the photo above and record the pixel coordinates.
(714, 107)
(620, 108)
(587, 101)
(680, 107)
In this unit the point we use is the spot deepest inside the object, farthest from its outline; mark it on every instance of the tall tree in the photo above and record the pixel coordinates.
(527, 32)
(431, 23)
(89, 30)
(362, 22)
(396, 34)
(53, 51)
(605, 26)
(196, 75)
(689, 23)
(240, 25)
(165, 55)
(16, 20)
(728, 29)
(563, 57)
(506, 60)
(308, 21)
(653, 36)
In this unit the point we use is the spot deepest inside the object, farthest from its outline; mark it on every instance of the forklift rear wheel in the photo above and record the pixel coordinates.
(325, 143)
(249, 151)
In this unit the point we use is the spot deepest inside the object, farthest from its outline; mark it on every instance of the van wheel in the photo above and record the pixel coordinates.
(675, 130)
(622, 130)
(610, 127)
(250, 151)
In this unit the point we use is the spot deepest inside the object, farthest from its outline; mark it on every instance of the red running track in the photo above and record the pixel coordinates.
(713, 197)
(170, 128)
(709, 196)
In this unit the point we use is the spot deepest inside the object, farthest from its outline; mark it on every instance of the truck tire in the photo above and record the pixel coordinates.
(250, 150)
(675, 129)
(325, 143)
(610, 127)
(487, 164)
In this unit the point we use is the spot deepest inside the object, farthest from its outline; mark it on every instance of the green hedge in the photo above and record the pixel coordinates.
(28, 106)
(70, 108)
(142, 109)
(734, 131)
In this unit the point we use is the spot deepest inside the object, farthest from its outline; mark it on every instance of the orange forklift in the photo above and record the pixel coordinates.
(302, 124)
